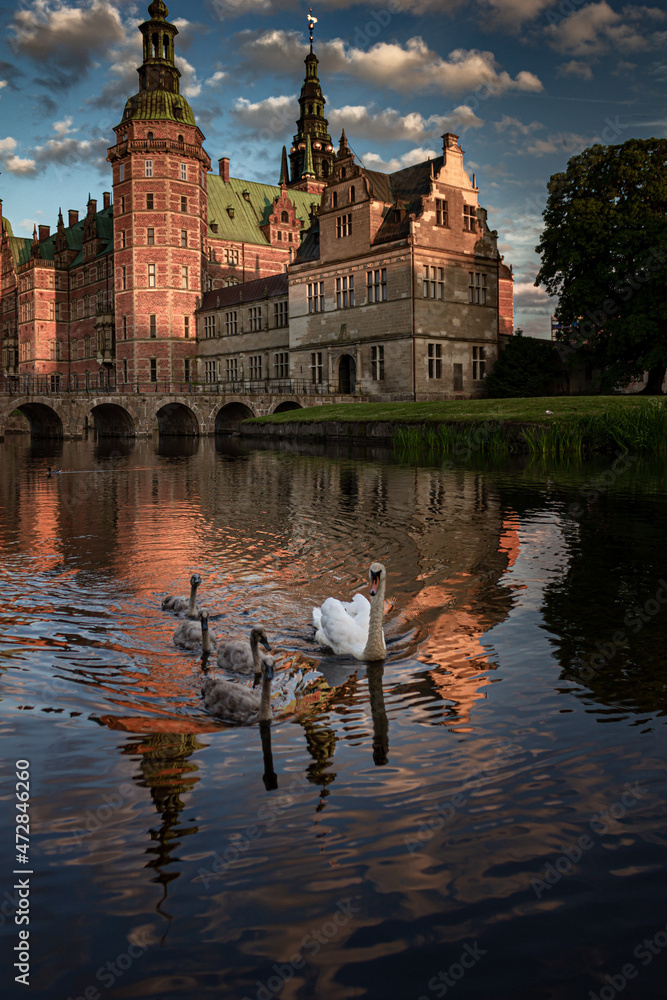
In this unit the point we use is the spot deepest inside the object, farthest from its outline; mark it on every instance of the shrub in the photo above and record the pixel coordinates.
(527, 366)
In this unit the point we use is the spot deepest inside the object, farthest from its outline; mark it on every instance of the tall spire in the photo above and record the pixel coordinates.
(311, 125)
(308, 168)
(284, 170)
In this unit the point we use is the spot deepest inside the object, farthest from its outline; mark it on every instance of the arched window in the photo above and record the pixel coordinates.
(181, 139)
(156, 46)
(284, 217)
(150, 136)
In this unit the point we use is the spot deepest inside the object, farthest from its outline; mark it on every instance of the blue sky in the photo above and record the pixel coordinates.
(526, 84)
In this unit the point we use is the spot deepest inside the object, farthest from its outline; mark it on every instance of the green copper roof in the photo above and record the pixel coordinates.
(20, 248)
(252, 212)
(158, 105)
(7, 226)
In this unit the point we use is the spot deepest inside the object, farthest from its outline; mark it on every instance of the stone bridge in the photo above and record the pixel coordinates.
(116, 414)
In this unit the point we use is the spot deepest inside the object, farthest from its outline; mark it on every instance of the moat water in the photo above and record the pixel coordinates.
(483, 816)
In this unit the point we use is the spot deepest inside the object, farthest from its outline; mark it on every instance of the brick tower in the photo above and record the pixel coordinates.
(160, 217)
(312, 154)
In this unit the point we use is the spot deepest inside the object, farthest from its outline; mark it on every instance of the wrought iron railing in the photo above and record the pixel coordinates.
(42, 385)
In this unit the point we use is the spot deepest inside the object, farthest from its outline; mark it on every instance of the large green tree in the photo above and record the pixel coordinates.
(604, 254)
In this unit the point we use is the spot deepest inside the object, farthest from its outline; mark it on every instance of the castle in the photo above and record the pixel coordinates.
(347, 279)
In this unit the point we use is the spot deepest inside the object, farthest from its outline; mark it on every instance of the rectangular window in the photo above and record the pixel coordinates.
(231, 257)
(151, 275)
(231, 324)
(316, 368)
(280, 314)
(434, 282)
(209, 326)
(124, 327)
(345, 292)
(377, 363)
(153, 325)
(184, 276)
(469, 218)
(184, 204)
(122, 239)
(184, 237)
(441, 213)
(184, 171)
(149, 202)
(124, 369)
(121, 172)
(209, 371)
(186, 327)
(478, 364)
(316, 297)
(377, 285)
(281, 364)
(458, 378)
(476, 288)
(186, 369)
(122, 204)
(153, 369)
(232, 369)
(151, 237)
(435, 361)
(148, 168)
(256, 366)
(123, 278)
(255, 314)
(343, 226)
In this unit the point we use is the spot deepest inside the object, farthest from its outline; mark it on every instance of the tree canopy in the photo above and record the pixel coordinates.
(525, 367)
(604, 254)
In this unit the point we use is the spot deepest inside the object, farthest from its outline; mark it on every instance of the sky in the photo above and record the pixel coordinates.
(526, 84)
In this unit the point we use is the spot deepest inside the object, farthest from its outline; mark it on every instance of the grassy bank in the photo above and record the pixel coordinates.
(576, 425)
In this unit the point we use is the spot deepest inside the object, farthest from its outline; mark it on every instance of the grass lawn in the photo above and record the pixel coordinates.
(566, 409)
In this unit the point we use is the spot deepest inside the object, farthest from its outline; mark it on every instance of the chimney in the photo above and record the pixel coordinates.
(92, 206)
(449, 141)
(73, 217)
(44, 233)
(107, 199)
(223, 167)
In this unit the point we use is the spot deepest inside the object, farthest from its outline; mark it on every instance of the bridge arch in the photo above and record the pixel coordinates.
(44, 420)
(176, 418)
(231, 414)
(112, 420)
(288, 404)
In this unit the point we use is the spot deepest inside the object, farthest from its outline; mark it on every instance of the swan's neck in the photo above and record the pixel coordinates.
(192, 606)
(205, 637)
(265, 713)
(256, 658)
(375, 648)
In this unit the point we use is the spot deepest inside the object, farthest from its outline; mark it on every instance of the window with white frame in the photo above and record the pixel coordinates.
(255, 366)
(151, 275)
(470, 218)
(255, 316)
(377, 363)
(184, 237)
(184, 171)
(434, 360)
(377, 285)
(231, 256)
(316, 368)
(343, 225)
(476, 288)
(185, 271)
(148, 168)
(345, 292)
(209, 326)
(478, 363)
(280, 316)
(231, 323)
(150, 237)
(316, 296)
(232, 369)
(434, 282)
(281, 364)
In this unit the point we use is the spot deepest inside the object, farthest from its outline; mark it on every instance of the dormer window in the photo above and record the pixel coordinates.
(284, 217)
(469, 218)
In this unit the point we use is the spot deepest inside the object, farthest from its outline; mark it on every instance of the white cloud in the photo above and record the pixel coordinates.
(597, 28)
(64, 127)
(14, 164)
(408, 68)
(217, 78)
(513, 127)
(275, 114)
(562, 142)
(190, 85)
(575, 67)
(374, 162)
(3, 83)
(390, 126)
(65, 36)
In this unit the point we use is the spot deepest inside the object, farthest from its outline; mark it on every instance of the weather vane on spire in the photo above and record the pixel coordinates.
(312, 21)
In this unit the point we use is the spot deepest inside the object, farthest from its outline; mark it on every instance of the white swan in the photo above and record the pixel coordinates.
(181, 604)
(192, 635)
(236, 703)
(243, 658)
(355, 628)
